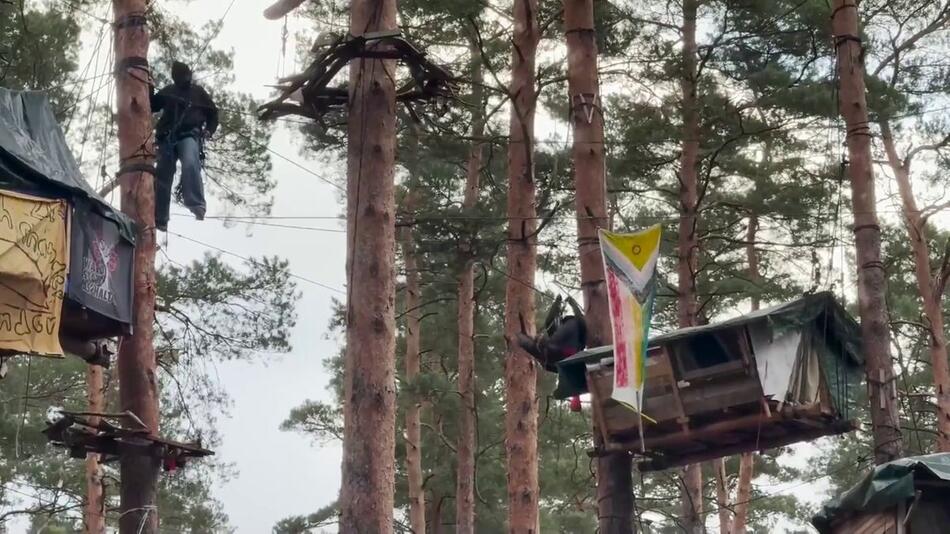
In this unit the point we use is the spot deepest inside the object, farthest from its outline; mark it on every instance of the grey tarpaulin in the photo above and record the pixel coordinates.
(34, 156)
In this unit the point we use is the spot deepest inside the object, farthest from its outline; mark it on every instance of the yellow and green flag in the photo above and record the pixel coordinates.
(630, 271)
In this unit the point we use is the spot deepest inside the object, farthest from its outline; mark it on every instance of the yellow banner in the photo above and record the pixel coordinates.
(630, 270)
(34, 254)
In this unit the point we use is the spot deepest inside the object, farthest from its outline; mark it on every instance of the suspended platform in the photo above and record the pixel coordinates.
(309, 93)
(86, 432)
(768, 379)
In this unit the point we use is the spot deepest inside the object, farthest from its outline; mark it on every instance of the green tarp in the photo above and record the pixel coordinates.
(819, 311)
(884, 487)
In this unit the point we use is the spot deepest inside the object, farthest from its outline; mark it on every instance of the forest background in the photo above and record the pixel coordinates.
(772, 149)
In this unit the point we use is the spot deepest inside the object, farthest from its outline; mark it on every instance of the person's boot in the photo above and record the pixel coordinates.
(199, 213)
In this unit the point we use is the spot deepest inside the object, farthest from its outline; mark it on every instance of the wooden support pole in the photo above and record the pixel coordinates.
(138, 382)
(369, 464)
(94, 511)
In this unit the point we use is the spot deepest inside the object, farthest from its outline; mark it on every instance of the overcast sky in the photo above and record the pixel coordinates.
(279, 473)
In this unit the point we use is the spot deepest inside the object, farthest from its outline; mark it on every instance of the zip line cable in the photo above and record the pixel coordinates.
(250, 220)
(288, 160)
(216, 32)
(254, 262)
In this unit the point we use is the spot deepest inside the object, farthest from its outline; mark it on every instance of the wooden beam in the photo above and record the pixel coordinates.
(668, 461)
(281, 8)
(711, 430)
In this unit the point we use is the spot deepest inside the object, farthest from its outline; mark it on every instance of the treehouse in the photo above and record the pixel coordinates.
(766, 379)
(906, 496)
(65, 253)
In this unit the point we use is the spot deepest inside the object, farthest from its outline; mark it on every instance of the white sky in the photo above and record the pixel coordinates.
(279, 473)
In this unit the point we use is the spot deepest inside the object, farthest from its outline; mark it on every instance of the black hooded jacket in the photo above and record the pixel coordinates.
(186, 106)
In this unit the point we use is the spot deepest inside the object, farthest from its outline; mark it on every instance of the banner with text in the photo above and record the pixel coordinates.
(100, 272)
(33, 267)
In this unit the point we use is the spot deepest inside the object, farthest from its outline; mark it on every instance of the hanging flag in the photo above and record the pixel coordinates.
(630, 270)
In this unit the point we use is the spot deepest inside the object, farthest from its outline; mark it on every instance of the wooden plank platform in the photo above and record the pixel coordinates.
(80, 433)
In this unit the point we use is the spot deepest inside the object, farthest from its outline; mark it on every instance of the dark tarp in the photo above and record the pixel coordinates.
(35, 159)
(100, 275)
(884, 487)
(820, 310)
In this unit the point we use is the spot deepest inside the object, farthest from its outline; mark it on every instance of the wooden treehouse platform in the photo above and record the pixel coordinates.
(760, 381)
(84, 432)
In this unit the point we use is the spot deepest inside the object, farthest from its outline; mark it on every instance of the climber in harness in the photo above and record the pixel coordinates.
(562, 336)
(189, 117)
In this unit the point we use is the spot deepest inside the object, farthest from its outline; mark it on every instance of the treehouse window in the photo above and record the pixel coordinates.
(706, 354)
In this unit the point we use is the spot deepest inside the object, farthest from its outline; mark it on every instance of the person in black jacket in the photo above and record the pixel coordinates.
(189, 116)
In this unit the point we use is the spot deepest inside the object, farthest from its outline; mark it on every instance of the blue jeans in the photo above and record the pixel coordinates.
(170, 152)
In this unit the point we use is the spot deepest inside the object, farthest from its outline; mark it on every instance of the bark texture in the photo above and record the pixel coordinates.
(722, 496)
(366, 494)
(417, 505)
(747, 459)
(138, 383)
(688, 245)
(521, 414)
(930, 286)
(94, 511)
(614, 472)
(467, 441)
(872, 282)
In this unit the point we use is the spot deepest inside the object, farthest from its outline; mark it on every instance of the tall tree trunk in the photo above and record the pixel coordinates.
(417, 505)
(687, 263)
(366, 495)
(467, 440)
(521, 413)
(615, 471)
(138, 381)
(928, 286)
(94, 512)
(747, 459)
(722, 496)
(871, 277)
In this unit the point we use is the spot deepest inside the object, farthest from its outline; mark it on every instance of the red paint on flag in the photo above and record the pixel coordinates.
(620, 343)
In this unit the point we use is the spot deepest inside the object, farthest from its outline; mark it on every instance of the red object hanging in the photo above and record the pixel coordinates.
(170, 464)
(576, 404)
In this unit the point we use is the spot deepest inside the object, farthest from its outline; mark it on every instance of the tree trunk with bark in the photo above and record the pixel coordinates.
(138, 381)
(467, 440)
(929, 286)
(521, 414)
(94, 511)
(747, 459)
(614, 471)
(722, 496)
(417, 505)
(872, 282)
(688, 245)
(366, 495)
